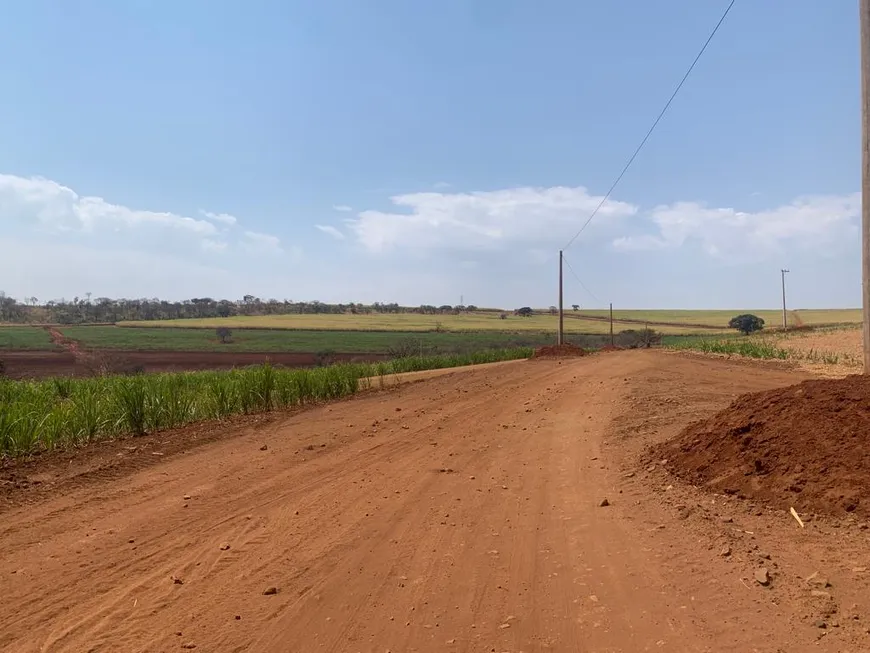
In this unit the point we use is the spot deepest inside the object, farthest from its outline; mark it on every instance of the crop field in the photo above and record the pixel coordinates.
(25, 338)
(43, 415)
(585, 321)
(833, 347)
(291, 340)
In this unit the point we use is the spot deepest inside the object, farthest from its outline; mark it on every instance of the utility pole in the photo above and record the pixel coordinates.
(784, 314)
(865, 177)
(561, 338)
(611, 324)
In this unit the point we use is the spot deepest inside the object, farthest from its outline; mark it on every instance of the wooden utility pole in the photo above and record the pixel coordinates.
(611, 324)
(561, 338)
(865, 177)
(784, 314)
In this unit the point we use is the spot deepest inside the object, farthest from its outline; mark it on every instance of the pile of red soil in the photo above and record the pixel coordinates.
(806, 446)
(560, 351)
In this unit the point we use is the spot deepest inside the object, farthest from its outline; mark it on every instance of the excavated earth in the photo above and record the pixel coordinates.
(805, 446)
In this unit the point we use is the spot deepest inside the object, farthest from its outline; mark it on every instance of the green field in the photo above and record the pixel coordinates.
(274, 340)
(25, 337)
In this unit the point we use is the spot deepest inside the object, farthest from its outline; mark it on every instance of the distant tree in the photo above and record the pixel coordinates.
(746, 323)
(471, 308)
(503, 316)
(525, 311)
(554, 310)
(576, 307)
(224, 334)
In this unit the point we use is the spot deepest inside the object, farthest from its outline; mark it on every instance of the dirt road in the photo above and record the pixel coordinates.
(459, 513)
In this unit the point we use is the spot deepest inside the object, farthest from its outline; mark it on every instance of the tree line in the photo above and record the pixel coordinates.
(89, 310)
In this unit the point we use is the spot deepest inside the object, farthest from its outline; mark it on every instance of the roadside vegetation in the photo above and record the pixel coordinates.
(63, 412)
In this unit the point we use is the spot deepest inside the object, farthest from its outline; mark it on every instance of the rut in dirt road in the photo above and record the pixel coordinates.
(459, 513)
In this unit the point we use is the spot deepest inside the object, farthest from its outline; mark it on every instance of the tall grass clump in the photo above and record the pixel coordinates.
(43, 415)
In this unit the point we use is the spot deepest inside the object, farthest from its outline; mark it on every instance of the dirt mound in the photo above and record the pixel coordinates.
(560, 351)
(806, 446)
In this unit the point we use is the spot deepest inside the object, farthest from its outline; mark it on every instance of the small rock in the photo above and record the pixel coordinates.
(225, 547)
(651, 468)
(238, 617)
(177, 580)
(188, 645)
(603, 503)
(727, 520)
(859, 570)
(471, 478)
(725, 552)
(816, 580)
(819, 594)
(187, 497)
(762, 576)
(451, 641)
(821, 624)
(504, 626)
(504, 487)
(764, 555)
(629, 475)
(265, 447)
(270, 591)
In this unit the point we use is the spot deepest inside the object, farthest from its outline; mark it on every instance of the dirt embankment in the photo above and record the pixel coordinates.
(806, 446)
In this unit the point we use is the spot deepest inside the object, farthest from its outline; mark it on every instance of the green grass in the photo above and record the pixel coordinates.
(759, 345)
(23, 337)
(63, 412)
(288, 340)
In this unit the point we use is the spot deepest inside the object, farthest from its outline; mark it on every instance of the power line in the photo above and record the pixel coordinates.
(576, 276)
(654, 125)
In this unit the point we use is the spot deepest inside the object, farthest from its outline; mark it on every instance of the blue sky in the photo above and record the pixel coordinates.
(386, 150)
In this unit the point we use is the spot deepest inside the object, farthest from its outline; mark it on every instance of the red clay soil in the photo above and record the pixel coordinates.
(560, 351)
(806, 446)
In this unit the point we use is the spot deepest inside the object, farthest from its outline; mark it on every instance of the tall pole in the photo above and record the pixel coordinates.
(611, 324)
(561, 339)
(784, 314)
(865, 177)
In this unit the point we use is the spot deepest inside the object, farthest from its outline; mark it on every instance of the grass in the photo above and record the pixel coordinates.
(678, 321)
(761, 346)
(288, 340)
(63, 412)
(406, 322)
(25, 337)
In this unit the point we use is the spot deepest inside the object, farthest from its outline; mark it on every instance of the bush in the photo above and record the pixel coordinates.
(635, 338)
(224, 334)
(746, 323)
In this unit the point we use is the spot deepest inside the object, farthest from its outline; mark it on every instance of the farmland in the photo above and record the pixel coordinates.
(292, 340)
(24, 338)
(585, 321)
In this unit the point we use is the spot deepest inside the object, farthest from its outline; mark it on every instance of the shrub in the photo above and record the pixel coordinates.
(224, 334)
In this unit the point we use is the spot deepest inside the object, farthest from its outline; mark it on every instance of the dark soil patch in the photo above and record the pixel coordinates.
(805, 446)
(560, 351)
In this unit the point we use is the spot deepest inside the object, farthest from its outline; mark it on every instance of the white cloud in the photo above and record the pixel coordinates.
(330, 230)
(260, 242)
(223, 218)
(344, 208)
(210, 245)
(57, 208)
(804, 223)
(482, 220)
